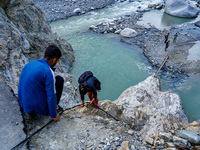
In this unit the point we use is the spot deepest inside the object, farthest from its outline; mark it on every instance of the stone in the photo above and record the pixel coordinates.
(12, 126)
(137, 101)
(149, 140)
(166, 136)
(128, 32)
(124, 145)
(25, 35)
(190, 136)
(77, 10)
(117, 144)
(131, 132)
(197, 24)
(118, 31)
(194, 123)
(180, 142)
(181, 8)
(171, 146)
(92, 27)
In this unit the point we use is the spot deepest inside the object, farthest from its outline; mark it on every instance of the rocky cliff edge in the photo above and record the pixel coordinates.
(143, 117)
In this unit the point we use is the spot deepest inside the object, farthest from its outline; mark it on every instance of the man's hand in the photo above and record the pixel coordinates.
(92, 101)
(57, 117)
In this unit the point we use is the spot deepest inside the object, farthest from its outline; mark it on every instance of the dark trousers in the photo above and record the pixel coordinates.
(59, 87)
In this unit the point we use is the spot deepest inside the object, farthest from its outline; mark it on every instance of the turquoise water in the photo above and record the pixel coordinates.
(118, 65)
(111, 62)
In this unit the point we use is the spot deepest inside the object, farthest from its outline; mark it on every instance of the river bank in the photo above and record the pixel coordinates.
(151, 40)
(62, 9)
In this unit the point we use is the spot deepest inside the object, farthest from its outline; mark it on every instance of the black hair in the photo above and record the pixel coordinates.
(52, 51)
(82, 89)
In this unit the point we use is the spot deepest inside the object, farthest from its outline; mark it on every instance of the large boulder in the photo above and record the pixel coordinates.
(181, 8)
(147, 109)
(128, 32)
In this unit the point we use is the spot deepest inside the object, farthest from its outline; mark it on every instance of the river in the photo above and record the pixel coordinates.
(118, 65)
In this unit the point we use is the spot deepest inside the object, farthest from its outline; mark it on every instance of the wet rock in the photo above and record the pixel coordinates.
(77, 11)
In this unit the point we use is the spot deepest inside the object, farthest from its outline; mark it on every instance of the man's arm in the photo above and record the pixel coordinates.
(51, 95)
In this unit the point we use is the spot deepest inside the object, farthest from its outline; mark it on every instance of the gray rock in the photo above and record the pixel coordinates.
(12, 126)
(128, 32)
(166, 136)
(147, 108)
(149, 140)
(190, 136)
(118, 31)
(131, 132)
(180, 142)
(25, 34)
(171, 146)
(197, 23)
(181, 8)
(77, 10)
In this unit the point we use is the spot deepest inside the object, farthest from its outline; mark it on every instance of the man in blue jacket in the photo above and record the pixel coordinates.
(39, 90)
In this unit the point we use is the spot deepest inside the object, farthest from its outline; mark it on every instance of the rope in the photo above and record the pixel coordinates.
(53, 121)
(41, 128)
(72, 108)
(109, 114)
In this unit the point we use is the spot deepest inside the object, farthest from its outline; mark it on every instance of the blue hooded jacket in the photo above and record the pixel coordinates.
(36, 91)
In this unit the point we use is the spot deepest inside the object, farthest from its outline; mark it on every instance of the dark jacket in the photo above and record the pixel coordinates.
(91, 87)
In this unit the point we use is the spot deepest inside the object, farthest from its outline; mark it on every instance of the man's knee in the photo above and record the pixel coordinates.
(59, 80)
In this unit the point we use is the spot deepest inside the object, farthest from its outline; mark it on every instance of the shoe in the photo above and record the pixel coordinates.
(60, 109)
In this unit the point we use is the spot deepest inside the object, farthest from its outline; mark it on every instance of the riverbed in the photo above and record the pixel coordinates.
(118, 65)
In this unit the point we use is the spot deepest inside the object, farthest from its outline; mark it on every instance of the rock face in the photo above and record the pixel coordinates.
(25, 34)
(149, 110)
(11, 127)
(181, 8)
